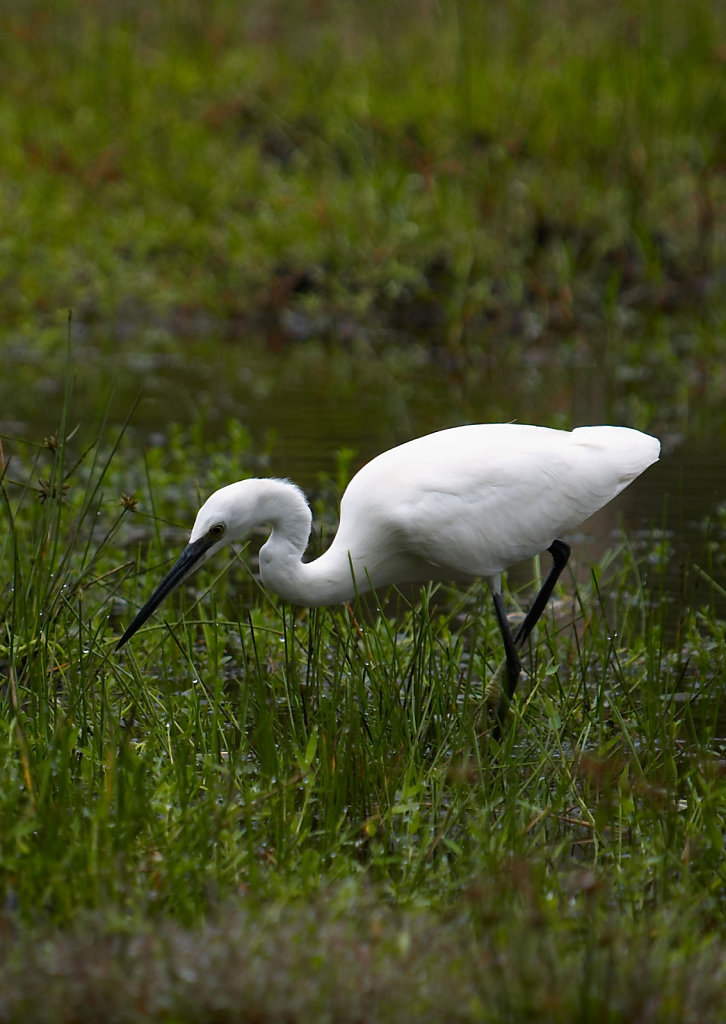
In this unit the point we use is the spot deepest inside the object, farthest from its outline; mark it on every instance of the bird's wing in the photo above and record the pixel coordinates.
(481, 499)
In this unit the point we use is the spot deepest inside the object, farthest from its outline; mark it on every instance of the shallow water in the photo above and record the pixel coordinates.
(305, 403)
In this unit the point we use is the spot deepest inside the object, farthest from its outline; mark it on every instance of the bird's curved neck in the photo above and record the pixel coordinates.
(326, 580)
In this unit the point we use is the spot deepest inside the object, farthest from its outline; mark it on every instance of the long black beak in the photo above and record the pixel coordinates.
(185, 565)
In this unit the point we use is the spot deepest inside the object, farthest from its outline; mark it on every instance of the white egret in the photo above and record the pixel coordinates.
(454, 505)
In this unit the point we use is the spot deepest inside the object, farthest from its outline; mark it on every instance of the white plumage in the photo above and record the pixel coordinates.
(473, 500)
(453, 505)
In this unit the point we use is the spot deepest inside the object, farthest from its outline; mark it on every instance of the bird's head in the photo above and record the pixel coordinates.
(229, 515)
(225, 516)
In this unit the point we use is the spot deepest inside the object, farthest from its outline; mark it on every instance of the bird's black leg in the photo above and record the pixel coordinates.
(514, 665)
(560, 553)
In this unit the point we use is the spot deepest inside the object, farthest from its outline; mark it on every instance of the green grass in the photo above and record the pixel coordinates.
(267, 808)
(411, 214)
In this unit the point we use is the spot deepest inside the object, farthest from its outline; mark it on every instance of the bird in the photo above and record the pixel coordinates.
(454, 505)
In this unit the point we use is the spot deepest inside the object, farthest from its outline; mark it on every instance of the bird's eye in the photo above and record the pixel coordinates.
(217, 530)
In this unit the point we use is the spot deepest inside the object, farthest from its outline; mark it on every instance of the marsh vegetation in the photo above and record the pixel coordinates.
(291, 235)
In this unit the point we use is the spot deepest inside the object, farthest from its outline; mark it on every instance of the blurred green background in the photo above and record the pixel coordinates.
(348, 223)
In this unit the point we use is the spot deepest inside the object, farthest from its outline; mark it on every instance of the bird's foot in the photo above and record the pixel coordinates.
(494, 690)
(496, 702)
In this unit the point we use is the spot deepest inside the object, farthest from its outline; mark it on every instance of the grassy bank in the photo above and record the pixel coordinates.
(310, 804)
(471, 209)
(461, 176)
